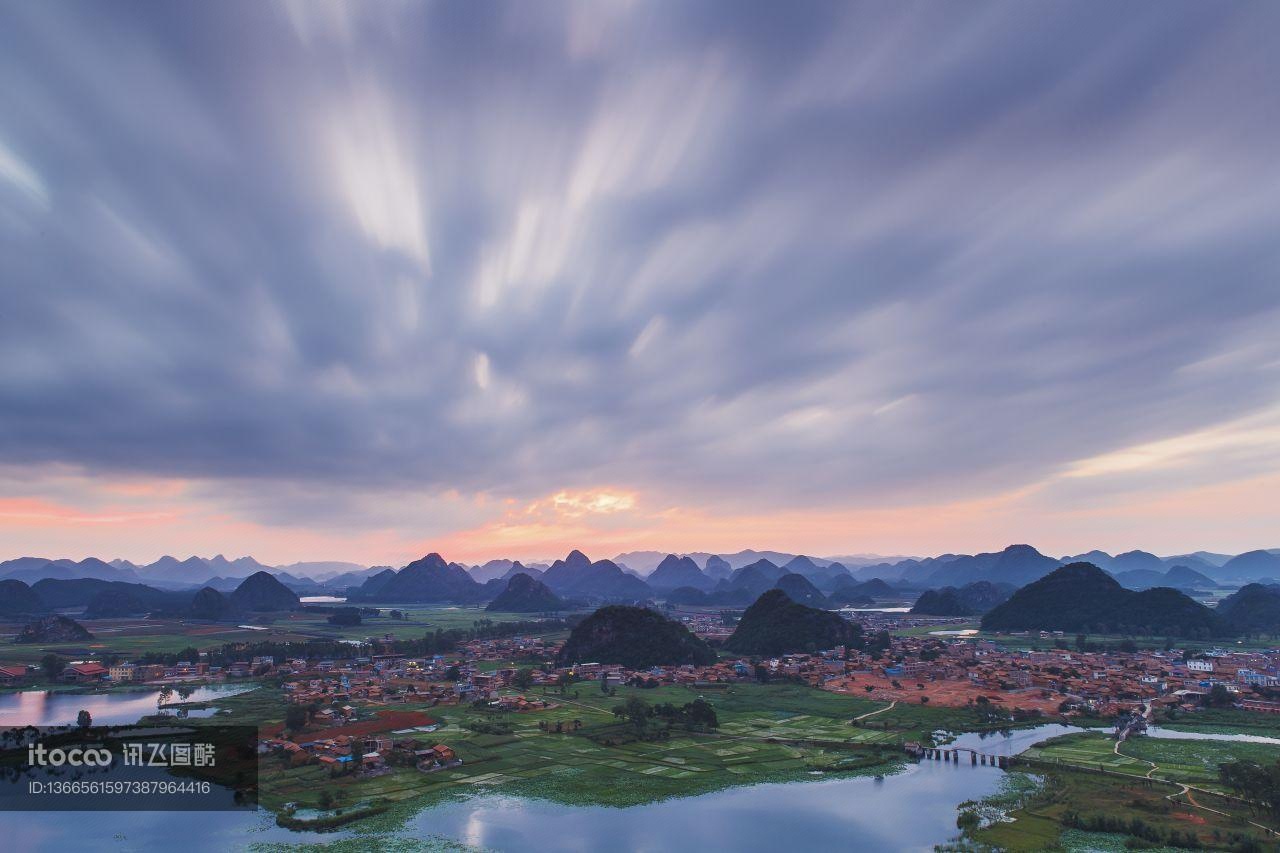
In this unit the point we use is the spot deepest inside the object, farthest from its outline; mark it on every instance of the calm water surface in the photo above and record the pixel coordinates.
(912, 810)
(1173, 734)
(46, 708)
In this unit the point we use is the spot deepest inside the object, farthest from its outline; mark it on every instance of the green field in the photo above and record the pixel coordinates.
(1030, 811)
(1224, 721)
(1190, 762)
(1034, 641)
(128, 637)
(577, 769)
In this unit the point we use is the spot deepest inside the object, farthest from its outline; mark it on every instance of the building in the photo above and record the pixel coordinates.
(12, 674)
(84, 673)
(125, 672)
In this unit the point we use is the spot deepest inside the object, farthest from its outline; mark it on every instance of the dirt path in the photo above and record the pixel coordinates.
(889, 707)
(1154, 766)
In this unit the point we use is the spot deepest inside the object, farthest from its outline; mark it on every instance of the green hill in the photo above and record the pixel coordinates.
(634, 637)
(1253, 609)
(776, 625)
(969, 600)
(16, 597)
(210, 604)
(1082, 597)
(52, 629)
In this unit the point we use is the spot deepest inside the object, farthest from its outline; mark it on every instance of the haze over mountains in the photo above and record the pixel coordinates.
(638, 574)
(1017, 588)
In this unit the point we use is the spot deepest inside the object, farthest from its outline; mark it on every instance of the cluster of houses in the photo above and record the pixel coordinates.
(125, 672)
(1098, 682)
(365, 754)
(947, 670)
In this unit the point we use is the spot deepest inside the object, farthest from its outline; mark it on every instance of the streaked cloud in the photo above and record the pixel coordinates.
(405, 269)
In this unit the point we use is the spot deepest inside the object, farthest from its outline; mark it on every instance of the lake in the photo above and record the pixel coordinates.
(875, 609)
(48, 708)
(909, 811)
(322, 599)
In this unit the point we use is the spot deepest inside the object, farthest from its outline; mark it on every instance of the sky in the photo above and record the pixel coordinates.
(359, 281)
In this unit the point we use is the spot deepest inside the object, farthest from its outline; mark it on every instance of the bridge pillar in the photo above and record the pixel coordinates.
(973, 758)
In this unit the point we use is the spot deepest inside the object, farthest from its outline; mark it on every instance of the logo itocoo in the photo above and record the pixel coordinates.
(75, 757)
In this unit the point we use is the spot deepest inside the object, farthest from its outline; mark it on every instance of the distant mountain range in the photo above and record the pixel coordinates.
(635, 576)
(645, 563)
(110, 598)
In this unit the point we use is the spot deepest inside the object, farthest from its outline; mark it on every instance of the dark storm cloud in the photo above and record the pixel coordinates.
(748, 252)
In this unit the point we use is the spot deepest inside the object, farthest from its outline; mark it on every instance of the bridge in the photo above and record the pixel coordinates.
(953, 754)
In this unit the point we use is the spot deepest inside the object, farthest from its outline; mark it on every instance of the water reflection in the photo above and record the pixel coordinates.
(48, 708)
(911, 810)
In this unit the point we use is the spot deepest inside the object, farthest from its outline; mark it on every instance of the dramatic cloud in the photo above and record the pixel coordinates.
(380, 275)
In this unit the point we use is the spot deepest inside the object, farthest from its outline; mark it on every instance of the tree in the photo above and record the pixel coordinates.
(523, 678)
(325, 800)
(357, 753)
(699, 712)
(452, 674)
(1219, 697)
(295, 717)
(84, 719)
(345, 616)
(52, 666)
(636, 711)
(1258, 784)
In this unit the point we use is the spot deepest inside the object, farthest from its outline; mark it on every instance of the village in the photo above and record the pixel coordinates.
(516, 674)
